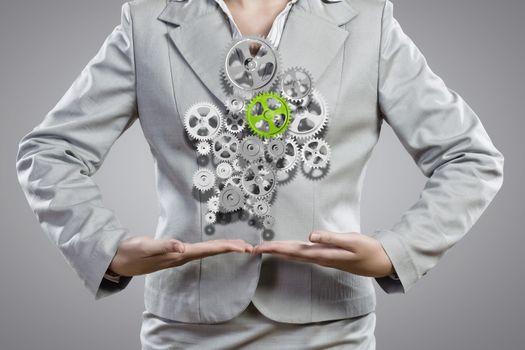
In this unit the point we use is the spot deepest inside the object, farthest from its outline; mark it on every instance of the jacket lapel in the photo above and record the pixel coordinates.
(311, 38)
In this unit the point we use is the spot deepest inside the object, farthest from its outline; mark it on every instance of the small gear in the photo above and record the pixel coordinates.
(310, 119)
(316, 153)
(231, 199)
(258, 180)
(251, 65)
(224, 170)
(276, 148)
(210, 217)
(213, 204)
(261, 208)
(236, 104)
(296, 84)
(268, 114)
(268, 221)
(203, 179)
(251, 148)
(203, 148)
(203, 121)
(234, 122)
(225, 147)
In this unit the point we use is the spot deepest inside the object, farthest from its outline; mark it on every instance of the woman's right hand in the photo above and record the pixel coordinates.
(140, 255)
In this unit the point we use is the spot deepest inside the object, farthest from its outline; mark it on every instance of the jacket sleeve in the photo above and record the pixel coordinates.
(55, 161)
(450, 146)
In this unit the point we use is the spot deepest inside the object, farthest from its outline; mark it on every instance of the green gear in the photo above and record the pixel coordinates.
(262, 118)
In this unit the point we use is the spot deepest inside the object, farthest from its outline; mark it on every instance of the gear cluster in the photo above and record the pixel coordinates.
(270, 122)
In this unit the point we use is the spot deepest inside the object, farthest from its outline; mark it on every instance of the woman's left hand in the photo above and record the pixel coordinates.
(352, 252)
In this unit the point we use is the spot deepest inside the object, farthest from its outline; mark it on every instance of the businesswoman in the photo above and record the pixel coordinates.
(309, 285)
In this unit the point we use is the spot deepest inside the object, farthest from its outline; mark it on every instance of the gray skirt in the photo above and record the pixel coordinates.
(253, 330)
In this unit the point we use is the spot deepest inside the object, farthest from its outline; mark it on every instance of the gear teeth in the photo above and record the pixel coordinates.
(213, 204)
(210, 217)
(193, 108)
(249, 93)
(325, 157)
(292, 99)
(302, 137)
(203, 148)
(204, 179)
(231, 151)
(249, 108)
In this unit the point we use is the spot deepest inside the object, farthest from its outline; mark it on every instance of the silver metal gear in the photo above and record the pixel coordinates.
(310, 119)
(251, 148)
(261, 208)
(290, 158)
(210, 217)
(296, 83)
(275, 148)
(225, 146)
(248, 70)
(234, 122)
(258, 180)
(224, 170)
(231, 199)
(236, 104)
(203, 148)
(213, 204)
(268, 221)
(204, 179)
(203, 121)
(316, 153)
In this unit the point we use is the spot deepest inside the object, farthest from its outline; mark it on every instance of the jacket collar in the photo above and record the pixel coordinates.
(312, 36)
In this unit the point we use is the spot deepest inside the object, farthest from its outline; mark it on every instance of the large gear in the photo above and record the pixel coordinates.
(316, 153)
(231, 199)
(258, 180)
(204, 179)
(310, 119)
(251, 65)
(203, 121)
(251, 148)
(225, 147)
(296, 84)
(268, 114)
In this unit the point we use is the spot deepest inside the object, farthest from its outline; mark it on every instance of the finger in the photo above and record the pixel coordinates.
(280, 246)
(316, 252)
(343, 240)
(162, 246)
(214, 247)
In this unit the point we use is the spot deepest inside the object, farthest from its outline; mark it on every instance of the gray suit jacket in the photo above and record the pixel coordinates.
(162, 58)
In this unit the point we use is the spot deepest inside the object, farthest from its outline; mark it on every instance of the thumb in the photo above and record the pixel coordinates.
(318, 236)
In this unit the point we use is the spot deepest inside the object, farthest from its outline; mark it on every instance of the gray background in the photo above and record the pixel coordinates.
(473, 299)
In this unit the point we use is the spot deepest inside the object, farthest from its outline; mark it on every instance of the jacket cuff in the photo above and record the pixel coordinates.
(401, 260)
(100, 260)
